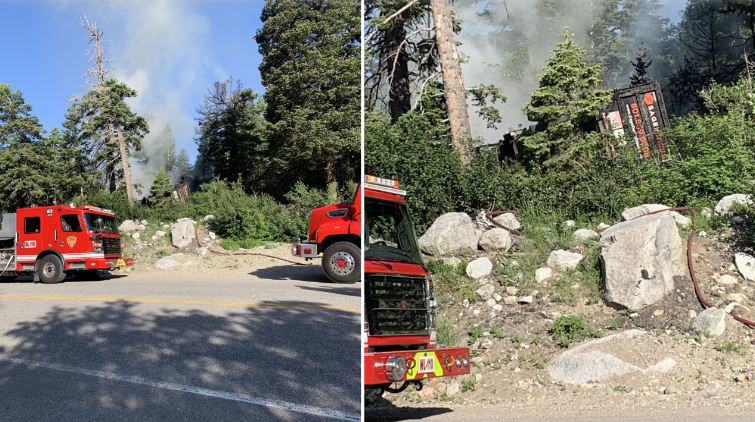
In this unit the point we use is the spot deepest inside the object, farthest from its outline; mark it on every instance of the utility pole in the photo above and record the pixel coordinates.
(453, 80)
(113, 135)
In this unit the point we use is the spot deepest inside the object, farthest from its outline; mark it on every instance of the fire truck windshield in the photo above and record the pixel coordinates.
(390, 233)
(99, 223)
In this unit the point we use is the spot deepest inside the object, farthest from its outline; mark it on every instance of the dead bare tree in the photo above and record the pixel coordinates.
(453, 79)
(98, 74)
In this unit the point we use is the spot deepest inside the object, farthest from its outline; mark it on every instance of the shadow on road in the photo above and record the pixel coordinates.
(347, 291)
(292, 272)
(392, 413)
(279, 351)
(71, 278)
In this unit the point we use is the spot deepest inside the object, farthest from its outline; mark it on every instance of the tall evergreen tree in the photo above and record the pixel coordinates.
(161, 192)
(101, 110)
(567, 100)
(231, 138)
(311, 72)
(183, 170)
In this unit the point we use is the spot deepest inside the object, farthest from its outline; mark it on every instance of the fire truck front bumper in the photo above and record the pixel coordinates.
(107, 264)
(304, 250)
(416, 365)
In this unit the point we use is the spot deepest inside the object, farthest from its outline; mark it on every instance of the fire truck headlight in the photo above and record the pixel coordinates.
(458, 361)
(395, 368)
(465, 361)
(97, 247)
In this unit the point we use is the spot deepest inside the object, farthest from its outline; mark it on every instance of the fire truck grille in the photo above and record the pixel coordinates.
(396, 305)
(111, 246)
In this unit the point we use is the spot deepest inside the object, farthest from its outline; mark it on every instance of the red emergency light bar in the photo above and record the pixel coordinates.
(383, 185)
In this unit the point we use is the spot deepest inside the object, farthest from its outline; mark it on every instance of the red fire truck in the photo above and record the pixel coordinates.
(335, 230)
(399, 336)
(50, 242)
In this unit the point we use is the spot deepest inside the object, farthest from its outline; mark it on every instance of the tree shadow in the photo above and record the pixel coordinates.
(275, 351)
(395, 413)
(292, 272)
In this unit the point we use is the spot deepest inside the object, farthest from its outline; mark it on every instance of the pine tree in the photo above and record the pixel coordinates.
(311, 72)
(183, 168)
(566, 100)
(641, 65)
(102, 110)
(24, 174)
(161, 192)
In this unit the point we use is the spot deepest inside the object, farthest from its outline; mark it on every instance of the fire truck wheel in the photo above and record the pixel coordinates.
(50, 270)
(341, 262)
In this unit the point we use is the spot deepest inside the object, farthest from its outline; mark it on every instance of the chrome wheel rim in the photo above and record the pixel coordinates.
(49, 270)
(342, 263)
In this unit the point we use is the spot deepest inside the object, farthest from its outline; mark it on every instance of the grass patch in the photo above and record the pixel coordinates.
(571, 328)
(451, 284)
(474, 333)
(447, 336)
(469, 384)
(234, 245)
(729, 346)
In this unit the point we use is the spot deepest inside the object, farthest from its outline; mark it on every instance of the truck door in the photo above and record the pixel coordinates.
(72, 238)
(30, 225)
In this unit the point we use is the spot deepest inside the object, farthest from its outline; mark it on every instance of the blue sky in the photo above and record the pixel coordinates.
(171, 51)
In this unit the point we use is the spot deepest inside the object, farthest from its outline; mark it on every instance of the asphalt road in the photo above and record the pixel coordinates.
(274, 344)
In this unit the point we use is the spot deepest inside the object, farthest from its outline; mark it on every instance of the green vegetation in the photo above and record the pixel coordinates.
(730, 346)
(451, 284)
(568, 329)
(447, 336)
(474, 333)
(469, 384)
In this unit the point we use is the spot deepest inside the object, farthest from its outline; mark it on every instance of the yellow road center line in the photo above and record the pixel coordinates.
(352, 309)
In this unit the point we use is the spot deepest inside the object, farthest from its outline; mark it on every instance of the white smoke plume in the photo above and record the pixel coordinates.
(506, 43)
(159, 48)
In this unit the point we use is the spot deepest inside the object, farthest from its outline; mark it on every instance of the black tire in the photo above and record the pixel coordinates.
(50, 270)
(342, 262)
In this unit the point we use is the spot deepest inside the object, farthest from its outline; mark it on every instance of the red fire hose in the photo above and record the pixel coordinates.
(216, 252)
(690, 262)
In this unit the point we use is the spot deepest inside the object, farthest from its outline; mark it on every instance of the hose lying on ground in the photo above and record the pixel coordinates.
(690, 262)
(216, 252)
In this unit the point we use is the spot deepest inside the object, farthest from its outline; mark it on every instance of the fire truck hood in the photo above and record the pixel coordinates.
(390, 267)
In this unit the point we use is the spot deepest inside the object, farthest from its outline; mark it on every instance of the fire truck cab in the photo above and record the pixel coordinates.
(50, 242)
(399, 337)
(335, 230)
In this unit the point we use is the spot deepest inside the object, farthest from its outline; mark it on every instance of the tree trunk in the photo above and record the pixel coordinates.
(453, 80)
(126, 168)
(399, 95)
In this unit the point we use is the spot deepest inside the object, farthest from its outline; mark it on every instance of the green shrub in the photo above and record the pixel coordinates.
(568, 329)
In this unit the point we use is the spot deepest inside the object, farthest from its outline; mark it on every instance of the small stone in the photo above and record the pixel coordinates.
(602, 226)
(710, 322)
(561, 260)
(498, 307)
(136, 235)
(212, 235)
(583, 235)
(703, 234)
(726, 280)
(453, 389)
(509, 300)
(486, 291)
(543, 274)
(736, 297)
(671, 390)
(706, 212)
(208, 218)
(476, 312)
(479, 268)
(512, 291)
(658, 312)
(745, 264)
(634, 315)
(569, 223)
(497, 297)
(525, 299)
(490, 302)
(451, 261)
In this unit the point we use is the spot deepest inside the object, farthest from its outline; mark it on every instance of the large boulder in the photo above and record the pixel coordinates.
(597, 360)
(450, 234)
(128, 226)
(639, 211)
(174, 262)
(183, 233)
(496, 239)
(640, 259)
(561, 260)
(509, 221)
(724, 206)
